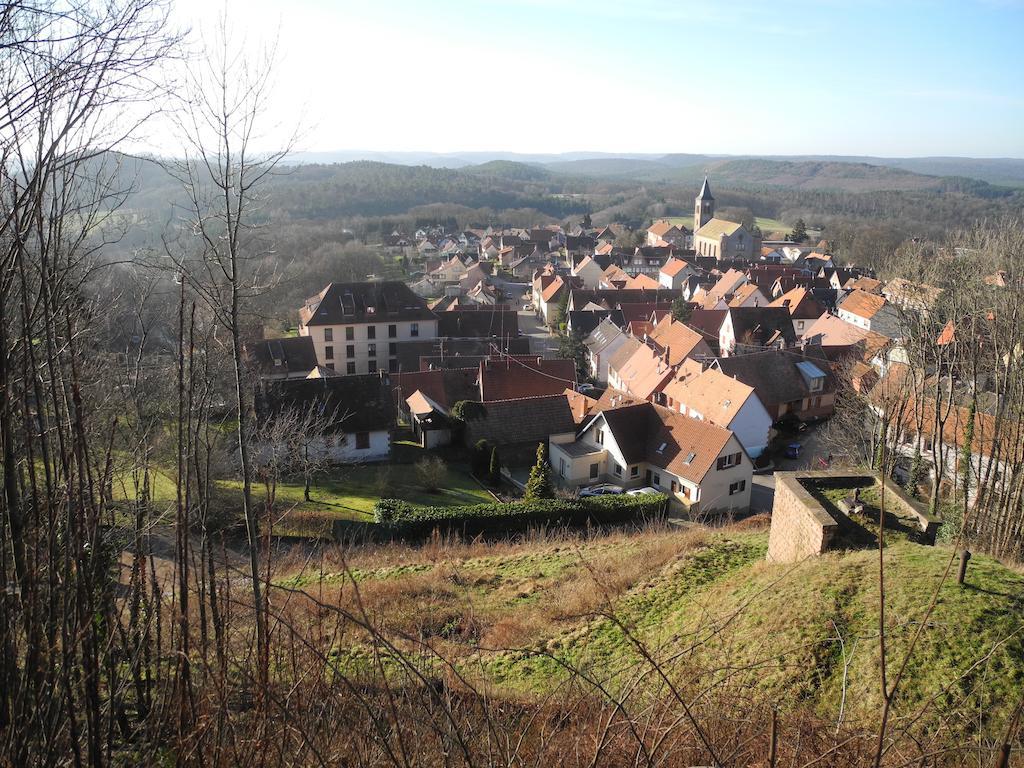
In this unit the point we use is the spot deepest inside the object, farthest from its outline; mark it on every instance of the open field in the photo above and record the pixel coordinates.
(768, 226)
(520, 618)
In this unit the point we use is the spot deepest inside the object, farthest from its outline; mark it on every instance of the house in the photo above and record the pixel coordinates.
(870, 312)
(582, 405)
(643, 374)
(589, 272)
(417, 354)
(803, 308)
(674, 273)
(549, 304)
(275, 359)
(678, 341)
(910, 296)
(508, 378)
(427, 398)
(357, 414)
(516, 426)
(585, 321)
(449, 271)
(478, 323)
(356, 327)
(700, 466)
(721, 293)
(602, 344)
(747, 295)
(747, 329)
(664, 232)
(938, 427)
(798, 382)
(712, 396)
(708, 323)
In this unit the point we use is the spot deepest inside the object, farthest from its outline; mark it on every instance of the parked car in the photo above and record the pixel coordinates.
(601, 489)
(793, 450)
(584, 387)
(528, 307)
(646, 490)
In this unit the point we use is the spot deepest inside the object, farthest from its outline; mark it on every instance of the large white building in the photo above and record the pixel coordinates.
(356, 327)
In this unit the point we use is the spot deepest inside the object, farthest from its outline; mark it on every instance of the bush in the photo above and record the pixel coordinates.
(431, 473)
(406, 518)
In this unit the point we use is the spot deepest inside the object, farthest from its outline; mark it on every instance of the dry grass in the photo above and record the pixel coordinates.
(506, 594)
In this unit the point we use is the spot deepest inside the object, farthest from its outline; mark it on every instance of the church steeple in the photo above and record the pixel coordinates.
(703, 206)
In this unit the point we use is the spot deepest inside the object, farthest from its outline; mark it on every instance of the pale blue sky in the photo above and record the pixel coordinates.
(896, 78)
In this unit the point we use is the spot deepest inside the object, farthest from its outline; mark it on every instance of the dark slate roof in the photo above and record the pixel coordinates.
(379, 302)
(774, 374)
(705, 191)
(352, 403)
(629, 425)
(478, 323)
(411, 353)
(282, 356)
(611, 297)
(509, 378)
(707, 322)
(521, 420)
(585, 321)
(760, 324)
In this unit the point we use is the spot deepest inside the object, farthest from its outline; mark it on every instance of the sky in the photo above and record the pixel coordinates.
(891, 78)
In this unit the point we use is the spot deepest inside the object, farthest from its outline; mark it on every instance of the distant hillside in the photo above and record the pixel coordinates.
(651, 166)
(509, 169)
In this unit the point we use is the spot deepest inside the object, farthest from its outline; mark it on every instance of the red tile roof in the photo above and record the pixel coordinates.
(509, 378)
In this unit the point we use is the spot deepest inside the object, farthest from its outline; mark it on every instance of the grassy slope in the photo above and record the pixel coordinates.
(712, 603)
(776, 627)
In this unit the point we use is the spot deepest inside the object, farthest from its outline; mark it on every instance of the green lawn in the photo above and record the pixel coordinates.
(344, 493)
(768, 226)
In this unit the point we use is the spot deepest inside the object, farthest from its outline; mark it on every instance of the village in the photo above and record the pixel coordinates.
(694, 366)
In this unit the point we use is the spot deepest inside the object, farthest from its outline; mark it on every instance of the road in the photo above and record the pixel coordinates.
(815, 446)
(541, 341)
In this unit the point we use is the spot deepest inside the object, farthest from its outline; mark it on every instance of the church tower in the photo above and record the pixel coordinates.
(703, 206)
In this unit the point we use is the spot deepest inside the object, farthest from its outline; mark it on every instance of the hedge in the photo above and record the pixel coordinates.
(402, 517)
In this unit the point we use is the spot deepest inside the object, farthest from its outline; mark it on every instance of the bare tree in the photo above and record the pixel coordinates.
(223, 173)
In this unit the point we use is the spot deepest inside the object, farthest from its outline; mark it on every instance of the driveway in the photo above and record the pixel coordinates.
(815, 447)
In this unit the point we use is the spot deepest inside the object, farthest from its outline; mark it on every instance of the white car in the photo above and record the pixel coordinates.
(527, 307)
(601, 489)
(646, 490)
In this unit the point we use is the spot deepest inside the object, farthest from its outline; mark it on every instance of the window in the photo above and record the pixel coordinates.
(371, 350)
(414, 329)
(392, 331)
(371, 331)
(350, 350)
(657, 481)
(561, 468)
(392, 348)
(350, 333)
(618, 470)
(634, 471)
(732, 460)
(594, 470)
(328, 334)
(738, 487)
(686, 492)
(393, 365)
(330, 366)
(350, 369)
(362, 441)
(329, 352)
(816, 384)
(372, 366)
(600, 437)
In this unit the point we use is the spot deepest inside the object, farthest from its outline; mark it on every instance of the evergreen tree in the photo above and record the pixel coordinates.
(681, 310)
(799, 233)
(539, 484)
(494, 472)
(916, 472)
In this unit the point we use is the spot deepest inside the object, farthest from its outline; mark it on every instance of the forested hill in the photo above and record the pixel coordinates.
(365, 188)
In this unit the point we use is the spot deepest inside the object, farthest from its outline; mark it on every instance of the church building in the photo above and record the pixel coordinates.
(717, 237)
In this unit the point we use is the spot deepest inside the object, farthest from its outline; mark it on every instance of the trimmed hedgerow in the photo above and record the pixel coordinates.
(403, 517)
